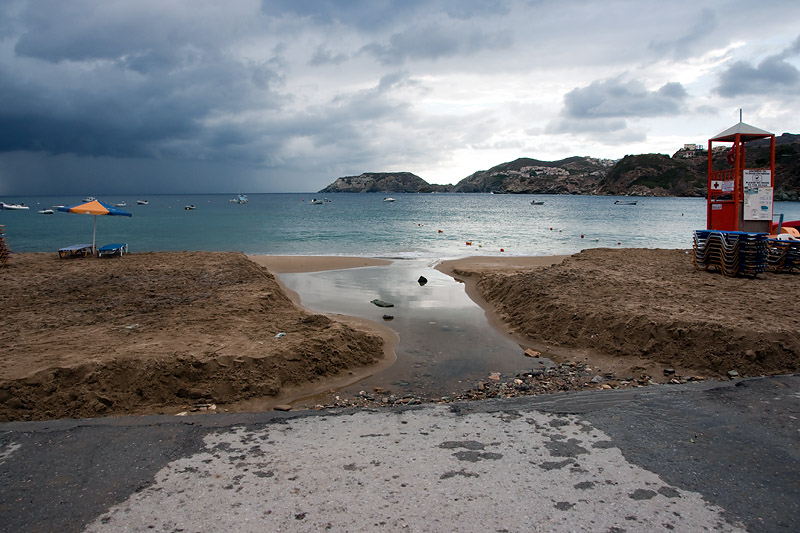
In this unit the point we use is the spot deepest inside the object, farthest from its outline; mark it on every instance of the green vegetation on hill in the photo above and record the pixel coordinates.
(683, 174)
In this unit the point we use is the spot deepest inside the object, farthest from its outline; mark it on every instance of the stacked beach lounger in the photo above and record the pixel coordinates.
(4, 251)
(733, 253)
(784, 256)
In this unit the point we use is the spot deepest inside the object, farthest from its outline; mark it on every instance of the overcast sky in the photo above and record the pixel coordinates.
(148, 96)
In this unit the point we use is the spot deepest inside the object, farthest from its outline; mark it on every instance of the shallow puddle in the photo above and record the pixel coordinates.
(446, 343)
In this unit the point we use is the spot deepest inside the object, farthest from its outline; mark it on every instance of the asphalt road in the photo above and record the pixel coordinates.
(713, 456)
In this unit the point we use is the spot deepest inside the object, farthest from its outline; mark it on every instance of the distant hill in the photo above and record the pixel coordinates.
(574, 175)
(657, 175)
(682, 174)
(383, 182)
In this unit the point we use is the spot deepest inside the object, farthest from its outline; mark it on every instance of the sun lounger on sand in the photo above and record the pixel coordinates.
(113, 249)
(79, 250)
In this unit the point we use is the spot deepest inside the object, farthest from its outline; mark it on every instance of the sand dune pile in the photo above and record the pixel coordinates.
(158, 332)
(649, 308)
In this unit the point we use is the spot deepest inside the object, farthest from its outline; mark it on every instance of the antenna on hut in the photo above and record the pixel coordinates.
(740, 115)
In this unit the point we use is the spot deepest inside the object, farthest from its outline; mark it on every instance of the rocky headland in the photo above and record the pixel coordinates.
(681, 174)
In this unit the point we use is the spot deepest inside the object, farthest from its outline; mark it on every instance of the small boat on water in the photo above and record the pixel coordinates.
(89, 199)
(13, 207)
(241, 199)
(142, 202)
(625, 202)
(537, 202)
(46, 212)
(314, 201)
(388, 199)
(190, 207)
(120, 204)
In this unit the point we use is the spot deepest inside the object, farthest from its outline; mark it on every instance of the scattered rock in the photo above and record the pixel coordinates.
(532, 353)
(669, 371)
(422, 280)
(733, 374)
(381, 303)
(282, 407)
(597, 379)
(388, 317)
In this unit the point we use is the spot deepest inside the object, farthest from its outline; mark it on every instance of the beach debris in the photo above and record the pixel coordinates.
(422, 280)
(494, 376)
(282, 407)
(204, 407)
(182, 413)
(132, 326)
(597, 379)
(532, 353)
(279, 335)
(381, 303)
(733, 374)
(380, 390)
(388, 317)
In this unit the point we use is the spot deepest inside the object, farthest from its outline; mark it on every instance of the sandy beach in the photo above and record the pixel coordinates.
(165, 333)
(197, 331)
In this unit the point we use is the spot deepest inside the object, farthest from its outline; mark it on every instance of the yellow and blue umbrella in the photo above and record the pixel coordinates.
(95, 207)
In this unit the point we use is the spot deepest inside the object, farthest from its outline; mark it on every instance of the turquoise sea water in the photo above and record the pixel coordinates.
(365, 225)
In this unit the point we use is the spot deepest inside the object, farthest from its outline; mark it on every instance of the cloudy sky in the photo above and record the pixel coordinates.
(114, 96)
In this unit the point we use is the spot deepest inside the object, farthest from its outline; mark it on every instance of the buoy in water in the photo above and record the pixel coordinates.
(581, 235)
(502, 249)
(469, 243)
(440, 231)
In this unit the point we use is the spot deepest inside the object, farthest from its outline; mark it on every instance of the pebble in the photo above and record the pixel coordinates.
(282, 407)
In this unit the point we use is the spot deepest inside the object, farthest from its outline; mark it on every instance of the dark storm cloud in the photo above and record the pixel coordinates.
(773, 74)
(601, 108)
(687, 42)
(375, 15)
(434, 41)
(122, 83)
(616, 98)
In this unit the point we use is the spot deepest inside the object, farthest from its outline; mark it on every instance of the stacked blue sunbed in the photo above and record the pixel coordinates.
(733, 253)
(784, 256)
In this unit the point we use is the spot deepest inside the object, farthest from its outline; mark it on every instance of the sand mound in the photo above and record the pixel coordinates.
(158, 332)
(651, 305)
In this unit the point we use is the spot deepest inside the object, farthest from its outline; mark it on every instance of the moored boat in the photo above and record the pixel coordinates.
(46, 212)
(625, 202)
(120, 204)
(13, 207)
(190, 207)
(142, 202)
(388, 199)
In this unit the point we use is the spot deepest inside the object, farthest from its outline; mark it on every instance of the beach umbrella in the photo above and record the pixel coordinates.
(95, 207)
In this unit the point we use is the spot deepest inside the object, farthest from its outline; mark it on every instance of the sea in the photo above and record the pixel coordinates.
(413, 226)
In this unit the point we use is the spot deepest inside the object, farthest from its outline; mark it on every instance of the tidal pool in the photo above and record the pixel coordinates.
(446, 343)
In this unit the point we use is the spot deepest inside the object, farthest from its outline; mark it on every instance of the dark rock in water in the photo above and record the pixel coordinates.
(422, 280)
(381, 303)
(669, 371)
(388, 317)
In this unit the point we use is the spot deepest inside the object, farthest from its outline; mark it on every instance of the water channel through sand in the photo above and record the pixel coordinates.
(446, 341)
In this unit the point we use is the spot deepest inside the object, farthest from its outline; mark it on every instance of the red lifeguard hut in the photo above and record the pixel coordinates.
(739, 198)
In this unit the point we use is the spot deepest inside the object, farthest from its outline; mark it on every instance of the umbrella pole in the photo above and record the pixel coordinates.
(94, 232)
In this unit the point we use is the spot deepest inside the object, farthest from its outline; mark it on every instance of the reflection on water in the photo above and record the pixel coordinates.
(445, 339)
